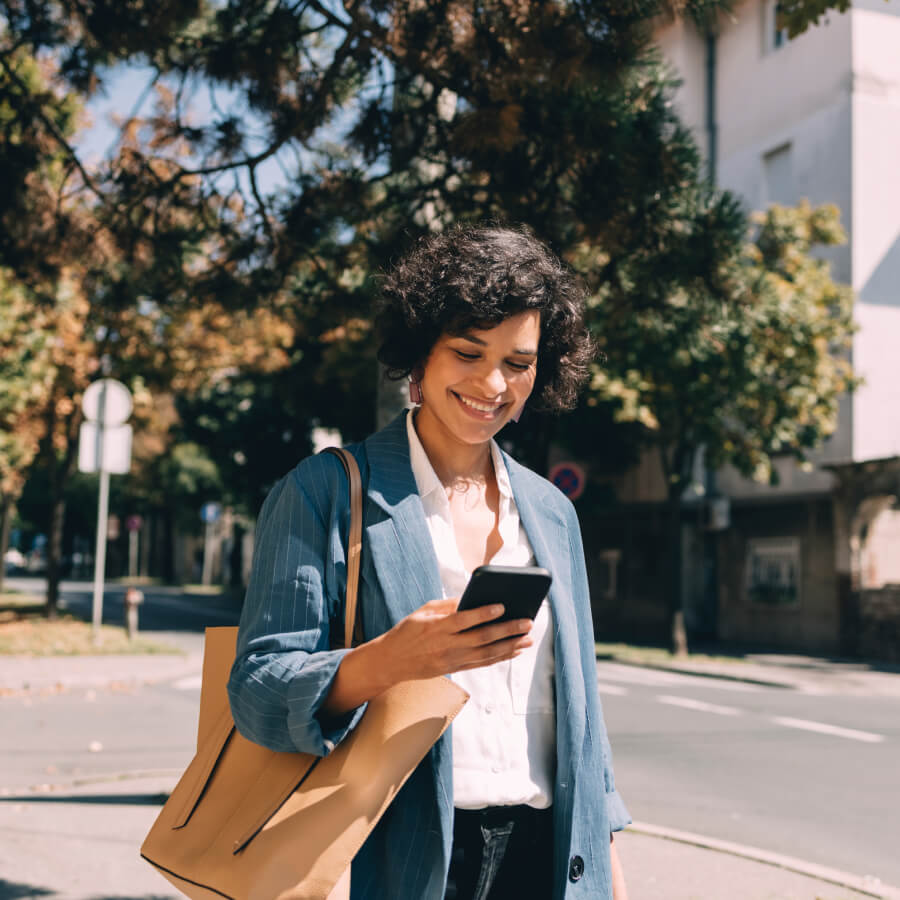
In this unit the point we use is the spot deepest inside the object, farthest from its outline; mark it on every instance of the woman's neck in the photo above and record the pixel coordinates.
(454, 462)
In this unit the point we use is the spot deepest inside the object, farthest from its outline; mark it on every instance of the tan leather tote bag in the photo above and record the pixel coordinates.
(249, 823)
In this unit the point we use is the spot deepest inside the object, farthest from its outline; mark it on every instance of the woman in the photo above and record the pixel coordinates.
(518, 799)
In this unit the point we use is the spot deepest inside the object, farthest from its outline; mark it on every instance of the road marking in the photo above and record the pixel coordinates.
(191, 683)
(628, 674)
(835, 730)
(613, 689)
(698, 705)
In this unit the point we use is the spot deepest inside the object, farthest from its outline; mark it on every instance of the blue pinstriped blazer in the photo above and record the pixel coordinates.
(284, 667)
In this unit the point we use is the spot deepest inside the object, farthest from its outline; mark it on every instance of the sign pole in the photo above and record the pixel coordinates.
(132, 553)
(207, 554)
(102, 514)
(209, 514)
(100, 553)
(104, 446)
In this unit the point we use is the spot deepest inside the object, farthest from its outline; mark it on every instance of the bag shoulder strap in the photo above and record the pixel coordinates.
(352, 623)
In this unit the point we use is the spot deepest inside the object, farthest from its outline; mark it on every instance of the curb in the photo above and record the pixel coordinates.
(869, 885)
(161, 669)
(77, 787)
(678, 670)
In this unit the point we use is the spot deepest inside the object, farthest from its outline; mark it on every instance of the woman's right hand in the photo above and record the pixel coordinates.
(438, 640)
(433, 640)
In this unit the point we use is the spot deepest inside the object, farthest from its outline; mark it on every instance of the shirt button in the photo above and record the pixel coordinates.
(576, 868)
(489, 709)
(496, 770)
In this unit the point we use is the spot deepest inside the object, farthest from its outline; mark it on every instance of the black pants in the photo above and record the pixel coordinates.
(500, 852)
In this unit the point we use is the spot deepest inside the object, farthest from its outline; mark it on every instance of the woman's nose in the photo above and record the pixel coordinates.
(494, 382)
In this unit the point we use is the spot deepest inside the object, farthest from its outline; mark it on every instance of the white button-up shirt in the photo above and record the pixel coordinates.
(504, 740)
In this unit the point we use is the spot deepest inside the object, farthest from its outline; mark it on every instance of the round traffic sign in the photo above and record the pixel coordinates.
(112, 396)
(210, 512)
(570, 478)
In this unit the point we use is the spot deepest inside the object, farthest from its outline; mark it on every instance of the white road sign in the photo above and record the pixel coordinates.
(116, 449)
(115, 399)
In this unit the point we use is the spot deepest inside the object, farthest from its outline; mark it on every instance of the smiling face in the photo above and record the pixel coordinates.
(475, 382)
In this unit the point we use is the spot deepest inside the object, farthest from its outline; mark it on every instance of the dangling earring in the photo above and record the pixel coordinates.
(415, 392)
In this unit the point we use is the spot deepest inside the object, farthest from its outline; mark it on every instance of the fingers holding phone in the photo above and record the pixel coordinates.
(488, 624)
(521, 591)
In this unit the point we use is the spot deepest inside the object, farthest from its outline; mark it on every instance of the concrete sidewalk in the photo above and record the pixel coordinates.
(25, 674)
(83, 844)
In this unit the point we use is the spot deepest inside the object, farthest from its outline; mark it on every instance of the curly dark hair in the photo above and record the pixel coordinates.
(474, 277)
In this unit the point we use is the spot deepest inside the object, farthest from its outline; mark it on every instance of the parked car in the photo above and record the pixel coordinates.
(13, 561)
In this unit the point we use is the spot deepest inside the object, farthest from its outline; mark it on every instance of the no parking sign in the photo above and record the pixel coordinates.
(570, 478)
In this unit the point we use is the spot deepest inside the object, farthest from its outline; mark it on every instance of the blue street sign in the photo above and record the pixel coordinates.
(210, 512)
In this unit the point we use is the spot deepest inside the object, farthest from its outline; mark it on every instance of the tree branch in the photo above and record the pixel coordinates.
(54, 131)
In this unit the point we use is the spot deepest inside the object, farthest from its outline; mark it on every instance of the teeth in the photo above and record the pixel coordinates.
(481, 407)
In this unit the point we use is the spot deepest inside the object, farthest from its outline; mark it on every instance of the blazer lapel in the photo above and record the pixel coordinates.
(397, 536)
(404, 564)
(549, 539)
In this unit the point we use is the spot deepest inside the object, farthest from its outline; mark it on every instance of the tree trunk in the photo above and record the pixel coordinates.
(168, 572)
(678, 632)
(6, 507)
(54, 548)
(60, 472)
(676, 472)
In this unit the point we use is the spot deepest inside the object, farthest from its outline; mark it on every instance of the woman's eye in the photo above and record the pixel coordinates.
(519, 367)
(466, 356)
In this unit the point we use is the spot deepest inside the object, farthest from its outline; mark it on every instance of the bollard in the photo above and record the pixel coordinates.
(133, 599)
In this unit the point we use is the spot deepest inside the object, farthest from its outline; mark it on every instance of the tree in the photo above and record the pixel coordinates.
(749, 366)
(25, 375)
(91, 254)
(799, 15)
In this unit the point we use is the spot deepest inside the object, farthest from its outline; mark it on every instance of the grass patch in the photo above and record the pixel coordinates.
(657, 655)
(10, 600)
(137, 581)
(25, 631)
(211, 590)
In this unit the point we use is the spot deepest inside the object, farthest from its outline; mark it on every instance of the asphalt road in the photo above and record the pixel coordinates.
(815, 777)
(163, 609)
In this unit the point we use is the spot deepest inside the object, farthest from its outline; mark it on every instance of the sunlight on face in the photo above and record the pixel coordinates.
(475, 382)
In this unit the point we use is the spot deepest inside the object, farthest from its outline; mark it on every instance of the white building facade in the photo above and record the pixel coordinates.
(816, 117)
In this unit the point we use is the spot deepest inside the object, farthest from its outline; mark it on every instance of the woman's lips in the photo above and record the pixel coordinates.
(477, 408)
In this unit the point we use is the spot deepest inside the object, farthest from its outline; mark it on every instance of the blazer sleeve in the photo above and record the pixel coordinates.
(619, 817)
(284, 666)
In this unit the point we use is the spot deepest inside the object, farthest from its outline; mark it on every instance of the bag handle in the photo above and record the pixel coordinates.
(352, 624)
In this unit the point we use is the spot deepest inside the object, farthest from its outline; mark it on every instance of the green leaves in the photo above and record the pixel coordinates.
(749, 362)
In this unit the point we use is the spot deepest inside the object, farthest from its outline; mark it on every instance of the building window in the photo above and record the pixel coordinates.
(778, 175)
(775, 37)
(773, 572)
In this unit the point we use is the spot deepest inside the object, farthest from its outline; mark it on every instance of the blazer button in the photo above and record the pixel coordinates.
(576, 868)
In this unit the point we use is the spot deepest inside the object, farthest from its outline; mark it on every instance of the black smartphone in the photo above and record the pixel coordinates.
(521, 589)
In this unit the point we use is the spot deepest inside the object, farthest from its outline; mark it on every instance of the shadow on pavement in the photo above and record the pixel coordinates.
(128, 897)
(154, 799)
(11, 890)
